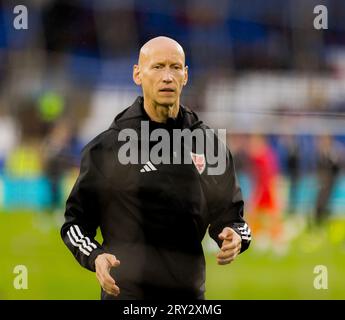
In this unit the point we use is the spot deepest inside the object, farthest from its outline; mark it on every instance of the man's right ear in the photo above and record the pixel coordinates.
(136, 75)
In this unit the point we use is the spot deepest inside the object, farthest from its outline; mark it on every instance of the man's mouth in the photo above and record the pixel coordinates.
(166, 90)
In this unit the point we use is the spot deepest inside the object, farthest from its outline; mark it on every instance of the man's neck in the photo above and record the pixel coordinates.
(161, 113)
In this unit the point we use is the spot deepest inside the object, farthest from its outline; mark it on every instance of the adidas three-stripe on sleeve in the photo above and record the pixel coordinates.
(81, 215)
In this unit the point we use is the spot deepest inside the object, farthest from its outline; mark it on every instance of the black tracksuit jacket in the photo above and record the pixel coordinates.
(152, 221)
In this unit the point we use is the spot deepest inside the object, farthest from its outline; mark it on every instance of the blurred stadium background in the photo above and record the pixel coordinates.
(257, 68)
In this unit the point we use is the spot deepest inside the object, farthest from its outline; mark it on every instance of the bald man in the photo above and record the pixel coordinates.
(161, 72)
(154, 214)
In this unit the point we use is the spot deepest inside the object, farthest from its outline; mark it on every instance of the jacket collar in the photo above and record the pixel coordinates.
(133, 115)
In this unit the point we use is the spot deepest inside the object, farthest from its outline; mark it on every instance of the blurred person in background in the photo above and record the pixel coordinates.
(153, 217)
(24, 185)
(293, 170)
(8, 136)
(330, 160)
(265, 218)
(239, 148)
(289, 151)
(61, 153)
(25, 160)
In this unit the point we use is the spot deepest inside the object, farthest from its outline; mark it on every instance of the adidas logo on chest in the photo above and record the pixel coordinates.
(148, 167)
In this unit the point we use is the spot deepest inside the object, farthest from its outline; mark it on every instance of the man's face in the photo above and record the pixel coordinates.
(162, 74)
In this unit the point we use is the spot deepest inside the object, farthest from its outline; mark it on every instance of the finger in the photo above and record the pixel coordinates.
(107, 279)
(226, 254)
(113, 290)
(224, 261)
(112, 260)
(235, 249)
(226, 247)
(226, 258)
(101, 280)
(227, 234)
(110, 292)
(108, 285)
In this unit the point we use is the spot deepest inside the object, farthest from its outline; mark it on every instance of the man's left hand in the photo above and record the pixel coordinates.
(231, 246)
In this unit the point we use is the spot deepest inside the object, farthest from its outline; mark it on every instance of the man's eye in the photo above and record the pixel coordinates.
(177, 67)
(157, 67)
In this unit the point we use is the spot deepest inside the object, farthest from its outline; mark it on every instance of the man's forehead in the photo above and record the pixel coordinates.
(165, 56)
(162, 48)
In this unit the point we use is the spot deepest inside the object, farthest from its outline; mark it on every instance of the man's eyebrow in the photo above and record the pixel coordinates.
(164, 63)
(156, 64)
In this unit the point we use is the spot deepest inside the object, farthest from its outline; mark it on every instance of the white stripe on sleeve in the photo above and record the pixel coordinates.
(82, 241)
(82, 237)
(77, 245)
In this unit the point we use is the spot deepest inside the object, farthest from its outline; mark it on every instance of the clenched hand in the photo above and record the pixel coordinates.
(231, 246)
(103, 263)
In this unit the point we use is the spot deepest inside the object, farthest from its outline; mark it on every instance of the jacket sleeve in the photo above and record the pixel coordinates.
(226, 207)
(83, 211)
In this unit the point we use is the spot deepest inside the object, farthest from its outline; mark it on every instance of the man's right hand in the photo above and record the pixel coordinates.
(103, 263)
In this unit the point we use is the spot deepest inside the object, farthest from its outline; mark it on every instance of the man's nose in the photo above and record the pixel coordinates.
(167, 76)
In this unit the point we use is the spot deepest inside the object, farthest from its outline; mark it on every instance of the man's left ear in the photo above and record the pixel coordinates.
(136, 75)
(185, 75)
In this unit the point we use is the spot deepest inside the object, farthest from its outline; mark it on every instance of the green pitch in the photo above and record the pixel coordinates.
(33, 240)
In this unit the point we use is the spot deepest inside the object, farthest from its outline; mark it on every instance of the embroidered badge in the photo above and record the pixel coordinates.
(199, 161)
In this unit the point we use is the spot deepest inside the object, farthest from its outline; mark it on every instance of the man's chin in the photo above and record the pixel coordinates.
(166, 102)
